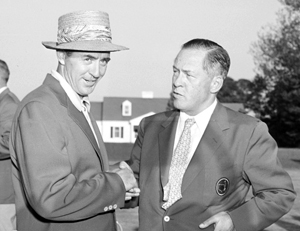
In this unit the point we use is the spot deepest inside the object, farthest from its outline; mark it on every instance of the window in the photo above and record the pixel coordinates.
(126, 108)
(116, 132)
(136, 129)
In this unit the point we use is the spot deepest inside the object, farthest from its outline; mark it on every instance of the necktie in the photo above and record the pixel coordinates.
(172, 190)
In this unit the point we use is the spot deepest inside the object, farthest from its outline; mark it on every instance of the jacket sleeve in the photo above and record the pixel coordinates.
(7, 112)
(134, 162)
(56, 187)
(272, 186)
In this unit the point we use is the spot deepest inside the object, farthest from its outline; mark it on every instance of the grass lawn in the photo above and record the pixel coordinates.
(290, 159)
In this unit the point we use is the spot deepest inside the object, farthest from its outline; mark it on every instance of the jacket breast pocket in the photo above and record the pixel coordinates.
(221, 181)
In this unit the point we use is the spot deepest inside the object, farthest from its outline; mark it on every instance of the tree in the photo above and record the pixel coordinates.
(239, 91)
(277, 83)
(229, 92)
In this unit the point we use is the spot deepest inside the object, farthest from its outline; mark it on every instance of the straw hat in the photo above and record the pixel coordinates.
(84, 31)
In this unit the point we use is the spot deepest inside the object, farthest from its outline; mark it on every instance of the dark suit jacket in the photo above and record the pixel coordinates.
(8, 106)
(235, 147)
(59, 173)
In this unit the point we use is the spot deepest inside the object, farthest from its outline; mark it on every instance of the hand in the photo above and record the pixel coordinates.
(120, 165)
(222, 222)
(125, 172)
(134, 192)
(123, 165)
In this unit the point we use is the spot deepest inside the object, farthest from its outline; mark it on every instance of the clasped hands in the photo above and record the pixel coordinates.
(127, 176)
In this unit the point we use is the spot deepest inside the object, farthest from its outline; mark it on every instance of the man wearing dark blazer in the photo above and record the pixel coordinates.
(60, 168)
(200, 179)
(8, 106)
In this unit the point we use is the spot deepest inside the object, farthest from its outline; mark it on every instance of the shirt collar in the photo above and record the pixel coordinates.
(2, 89)
(86, 102)
(202, 116)
(79, 102)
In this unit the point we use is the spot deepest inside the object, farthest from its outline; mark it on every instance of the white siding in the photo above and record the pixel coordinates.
(107, 127)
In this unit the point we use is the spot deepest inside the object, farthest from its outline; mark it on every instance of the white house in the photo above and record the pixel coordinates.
(118, 118)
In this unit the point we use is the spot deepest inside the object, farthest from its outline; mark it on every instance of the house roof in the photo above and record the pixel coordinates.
(112, 107)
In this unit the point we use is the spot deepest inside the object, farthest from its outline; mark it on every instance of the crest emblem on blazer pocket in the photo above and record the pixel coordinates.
(222, 186)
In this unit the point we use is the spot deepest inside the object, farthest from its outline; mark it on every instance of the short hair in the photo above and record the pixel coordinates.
(216, 60)
(68, 53)
(4, 71)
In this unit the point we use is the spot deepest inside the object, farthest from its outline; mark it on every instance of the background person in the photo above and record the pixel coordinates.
(60, 165)
(8, 106)
(195, 165)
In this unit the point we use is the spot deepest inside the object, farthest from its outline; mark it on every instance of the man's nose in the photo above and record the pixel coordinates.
(177, 79)
(95, 70)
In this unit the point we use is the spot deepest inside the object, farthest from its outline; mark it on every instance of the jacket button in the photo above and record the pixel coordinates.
(166, 218)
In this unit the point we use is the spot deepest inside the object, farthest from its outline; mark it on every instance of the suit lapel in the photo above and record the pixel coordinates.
(211, 140)
(81, 121)
(74, 114)
(101, 143)
(166, 144)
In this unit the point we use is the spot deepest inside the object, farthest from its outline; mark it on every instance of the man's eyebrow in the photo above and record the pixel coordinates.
(107, 59)
(187, 71)
(90, 56)
(184, 70)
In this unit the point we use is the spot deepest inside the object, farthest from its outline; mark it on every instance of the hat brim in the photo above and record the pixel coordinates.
(92, 45)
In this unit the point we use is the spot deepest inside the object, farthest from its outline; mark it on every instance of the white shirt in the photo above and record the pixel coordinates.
(2, 89)
(75, 99)
(197, 129)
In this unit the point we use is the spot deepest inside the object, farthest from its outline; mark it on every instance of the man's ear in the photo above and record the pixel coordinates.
(61, 56)
(216, 84)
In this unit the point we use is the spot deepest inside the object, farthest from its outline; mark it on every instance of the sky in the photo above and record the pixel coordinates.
(153, 30)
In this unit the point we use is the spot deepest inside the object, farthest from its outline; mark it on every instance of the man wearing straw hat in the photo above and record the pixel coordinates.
(60, 166)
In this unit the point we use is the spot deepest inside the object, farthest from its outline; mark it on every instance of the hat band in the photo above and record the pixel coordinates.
(83, 33)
